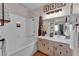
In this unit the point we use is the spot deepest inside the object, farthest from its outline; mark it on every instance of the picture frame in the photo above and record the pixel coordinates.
(52, 6)
(60, 5)
(46, 8)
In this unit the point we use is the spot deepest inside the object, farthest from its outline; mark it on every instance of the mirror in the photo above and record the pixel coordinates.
(63, 26)
(56, 28)
(59, 29)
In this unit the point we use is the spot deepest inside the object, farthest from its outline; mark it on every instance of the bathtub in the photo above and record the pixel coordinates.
(29, 47)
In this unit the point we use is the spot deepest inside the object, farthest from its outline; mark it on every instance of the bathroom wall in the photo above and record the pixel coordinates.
(32, 27)
(15, 37)
(17, 9)
(65, 11)
(76, 10)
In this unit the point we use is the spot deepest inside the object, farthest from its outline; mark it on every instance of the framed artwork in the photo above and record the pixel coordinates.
(46, 8)
(60, 5)
(52, 6)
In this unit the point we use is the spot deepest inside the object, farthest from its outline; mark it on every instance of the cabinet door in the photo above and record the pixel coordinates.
(62, 52)
(63, 45)
(39, 44)
(49, 50)
(62, 49)
(69, 52)
(59, 51)
(42, 44)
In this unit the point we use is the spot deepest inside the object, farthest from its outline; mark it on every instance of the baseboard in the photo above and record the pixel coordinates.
(19, 49)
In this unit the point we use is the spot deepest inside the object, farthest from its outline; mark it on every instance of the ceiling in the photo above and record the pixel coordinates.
(32, 6)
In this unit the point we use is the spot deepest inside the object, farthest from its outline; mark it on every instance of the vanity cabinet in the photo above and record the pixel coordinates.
(43, 46)
(49, 50)
(62, 49)
(53, 48)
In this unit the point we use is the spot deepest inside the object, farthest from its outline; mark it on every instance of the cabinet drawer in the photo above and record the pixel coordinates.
(63, 52)
(39, 45)
(42, 44)
(61, 45)
(59, 53)
(43, 40)
(51, 43)
(62, 49)
(69, 52)
(49, 50)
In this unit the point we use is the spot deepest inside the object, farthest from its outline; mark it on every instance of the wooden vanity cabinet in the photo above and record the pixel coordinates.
(62, 49)
(41, 45)
(49, 50)
(44, 46)
(53, 48)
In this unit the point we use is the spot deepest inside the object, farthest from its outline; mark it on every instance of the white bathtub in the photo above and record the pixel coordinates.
(29, 47)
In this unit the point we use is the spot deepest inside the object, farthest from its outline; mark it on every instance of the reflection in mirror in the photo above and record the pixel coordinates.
(59, 29)
(56, 27)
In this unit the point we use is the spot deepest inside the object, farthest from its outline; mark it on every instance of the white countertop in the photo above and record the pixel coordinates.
(58, 39)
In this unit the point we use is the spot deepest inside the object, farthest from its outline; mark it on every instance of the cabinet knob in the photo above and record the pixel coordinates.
(60, 52)
(43, 44)
(61, 45)
(48, 48)
(39, 40)
(66, 51)
(55, 48)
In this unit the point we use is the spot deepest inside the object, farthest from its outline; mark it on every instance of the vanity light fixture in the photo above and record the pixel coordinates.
(2, 21)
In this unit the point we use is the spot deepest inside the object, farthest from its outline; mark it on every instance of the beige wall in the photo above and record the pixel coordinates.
(39, 11)
(17, 9)
(15, 37)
